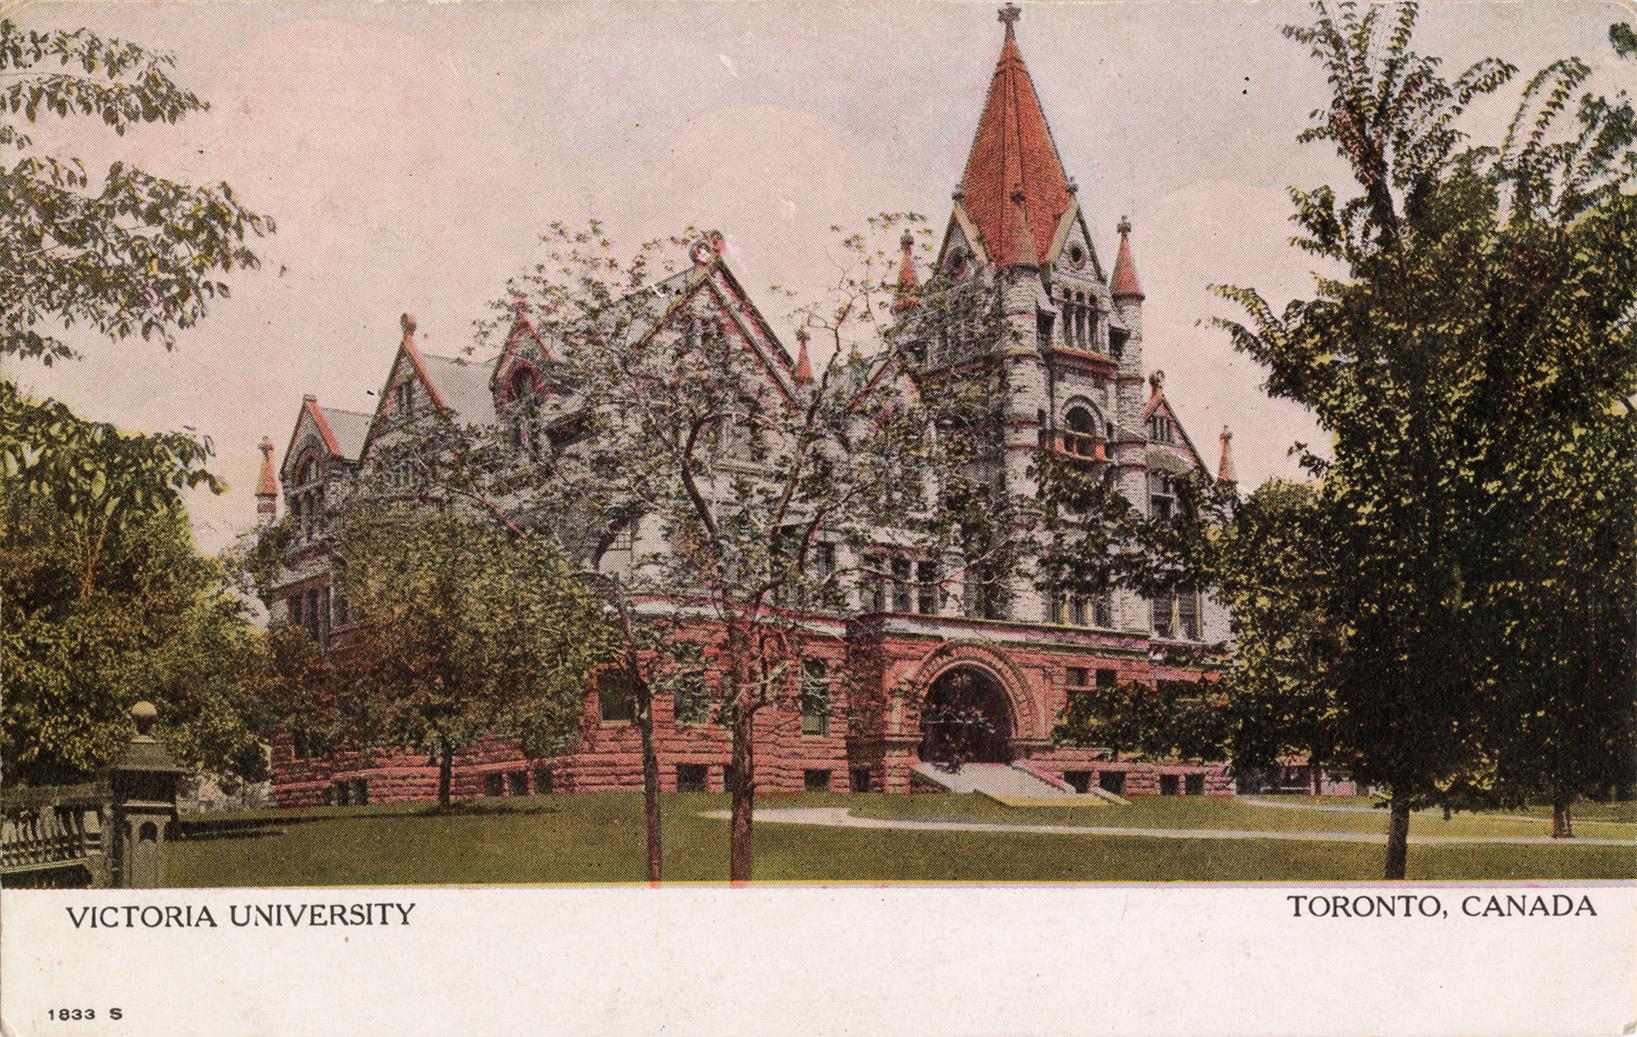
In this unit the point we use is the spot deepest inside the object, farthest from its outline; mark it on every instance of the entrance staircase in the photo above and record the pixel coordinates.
(1009, 784)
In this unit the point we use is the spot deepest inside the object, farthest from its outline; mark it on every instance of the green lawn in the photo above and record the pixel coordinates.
(598, 838)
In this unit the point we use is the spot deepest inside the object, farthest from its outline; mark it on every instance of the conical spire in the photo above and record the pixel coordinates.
(804, 367)
(1124, 284)
(1013, 153)
(1224, 468)
(267, 484)
(907, 281)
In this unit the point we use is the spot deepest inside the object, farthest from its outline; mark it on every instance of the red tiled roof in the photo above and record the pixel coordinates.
(1013, 152)
(311, 403)
(1124, 284)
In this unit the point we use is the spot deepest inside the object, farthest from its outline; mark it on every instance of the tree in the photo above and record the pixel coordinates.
(127, 254)
(1173, 720)
(1271, 570)
(121, 606)
(752, 490)
(769, 486)
(1486, 299)
(140, 616)
(464, 631)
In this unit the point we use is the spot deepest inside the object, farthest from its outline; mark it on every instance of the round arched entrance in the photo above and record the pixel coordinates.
(966, 718)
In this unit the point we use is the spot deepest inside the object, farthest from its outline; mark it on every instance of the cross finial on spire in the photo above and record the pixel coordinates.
(1009, 15)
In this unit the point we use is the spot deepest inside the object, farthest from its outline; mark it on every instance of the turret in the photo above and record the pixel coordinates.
(907, 281)
(1225, 475)
(267, 487)
(803, 375)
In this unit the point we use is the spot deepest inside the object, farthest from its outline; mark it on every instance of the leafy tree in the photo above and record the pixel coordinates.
(1172, 720)
(1271, 573)
(124, 253)
(464, 631)
(147, 618)
(1486, 302)
(116, 603)
(756, 497)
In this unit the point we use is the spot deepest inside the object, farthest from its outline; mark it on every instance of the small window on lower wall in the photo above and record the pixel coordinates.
(616, 697)
(494, 784)
(544, 781)
(1168, 784)
(690, 777)
(861, 779)
(816, 781)
(1194, 784)
(360, 792)
(729, 779)
(1111, 781)
(518, 783)
(1079, 781)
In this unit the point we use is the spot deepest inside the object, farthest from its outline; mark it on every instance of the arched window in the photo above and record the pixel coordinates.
(1081, 434)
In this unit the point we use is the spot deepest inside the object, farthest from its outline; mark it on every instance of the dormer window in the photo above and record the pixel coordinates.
(523, 398)
(403, 398)
(1077, 255)
(1162, 429)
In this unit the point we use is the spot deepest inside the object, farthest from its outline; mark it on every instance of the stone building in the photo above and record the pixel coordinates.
(1076, 386)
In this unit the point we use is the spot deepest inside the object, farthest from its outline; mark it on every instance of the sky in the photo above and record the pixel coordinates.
(411, 155)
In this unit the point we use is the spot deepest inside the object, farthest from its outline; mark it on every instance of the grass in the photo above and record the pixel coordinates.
(598, 838)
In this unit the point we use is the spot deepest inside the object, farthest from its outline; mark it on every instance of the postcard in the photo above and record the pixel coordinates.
(815, 517)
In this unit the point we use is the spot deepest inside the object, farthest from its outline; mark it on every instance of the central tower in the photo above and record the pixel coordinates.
(1071, 354)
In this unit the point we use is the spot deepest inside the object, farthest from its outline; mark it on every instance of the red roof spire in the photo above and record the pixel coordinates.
(907, 281)
(1013, 153)
(268, 484)
(804, 367)
(1124, 283)
(1224, 468)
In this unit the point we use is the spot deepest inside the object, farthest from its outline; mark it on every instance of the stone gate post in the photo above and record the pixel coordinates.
(142, 784)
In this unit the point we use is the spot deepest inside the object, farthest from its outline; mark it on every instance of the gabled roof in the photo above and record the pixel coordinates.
(1158, 403)
(461, 387)
(349, 429)
(343, 432)
(1014, 188)
(522, 329)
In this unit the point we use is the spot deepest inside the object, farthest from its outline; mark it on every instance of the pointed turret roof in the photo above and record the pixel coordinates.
(907, 281)
(1124, 284)
(1224, 468)
(804, 367)
(267, 485)
(1012, 154)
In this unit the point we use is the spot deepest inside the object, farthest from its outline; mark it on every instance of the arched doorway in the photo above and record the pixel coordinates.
(966, 719)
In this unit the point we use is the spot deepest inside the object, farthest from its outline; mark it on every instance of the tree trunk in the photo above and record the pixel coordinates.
(744, 796)
(1318, 780)
(1562, 823)
(650, 768)
(446, 771)
(1398, 834)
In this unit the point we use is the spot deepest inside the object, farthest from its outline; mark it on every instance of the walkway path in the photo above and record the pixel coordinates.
(1344, 808)
(841, 817)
